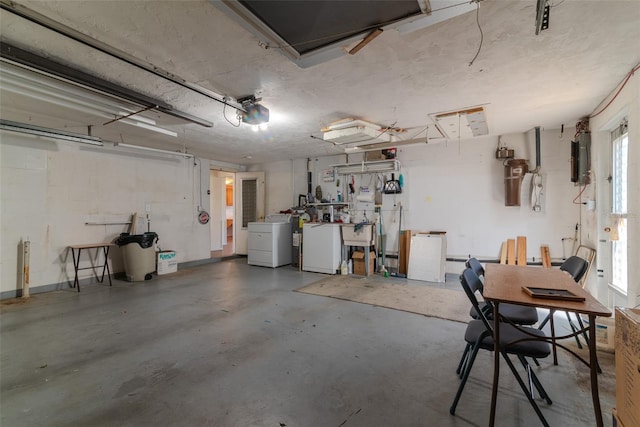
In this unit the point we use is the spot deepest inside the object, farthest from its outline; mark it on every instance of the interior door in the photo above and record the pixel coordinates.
(250, 206)
(217, 209)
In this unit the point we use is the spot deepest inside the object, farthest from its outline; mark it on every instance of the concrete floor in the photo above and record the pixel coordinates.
(227, 344)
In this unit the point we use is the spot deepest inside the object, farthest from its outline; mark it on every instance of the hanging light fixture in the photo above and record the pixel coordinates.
(48, 133)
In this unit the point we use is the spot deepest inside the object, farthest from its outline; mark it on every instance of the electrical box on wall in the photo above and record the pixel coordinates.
(580, 158)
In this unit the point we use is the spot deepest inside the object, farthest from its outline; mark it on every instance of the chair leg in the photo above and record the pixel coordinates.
(526, 391)
(544, 322)
(465, 377)
(574, 329)
(463, 359)
(549, 318)
(533, 378)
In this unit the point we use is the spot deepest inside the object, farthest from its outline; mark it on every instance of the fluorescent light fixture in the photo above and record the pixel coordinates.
(150, 127)
(462, 124)
(49, 133)
(36, 86)
(367, 167)
(154, 150)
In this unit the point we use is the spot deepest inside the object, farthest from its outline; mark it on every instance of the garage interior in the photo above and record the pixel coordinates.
(194, 119)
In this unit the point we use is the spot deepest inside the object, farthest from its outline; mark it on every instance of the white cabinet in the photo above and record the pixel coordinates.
(269, 244)
(321, 247)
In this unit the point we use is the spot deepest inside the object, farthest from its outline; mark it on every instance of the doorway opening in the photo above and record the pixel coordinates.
(222, 214)
(235, 200)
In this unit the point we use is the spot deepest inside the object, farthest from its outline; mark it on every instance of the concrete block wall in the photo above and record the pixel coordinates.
(51, 190)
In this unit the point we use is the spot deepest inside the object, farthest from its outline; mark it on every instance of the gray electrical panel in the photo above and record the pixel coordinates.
(581, 158)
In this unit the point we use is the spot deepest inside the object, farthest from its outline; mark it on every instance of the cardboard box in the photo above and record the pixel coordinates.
(627, 342)
(358, 263)
(605, 332)
(167, 262)
(374, 155)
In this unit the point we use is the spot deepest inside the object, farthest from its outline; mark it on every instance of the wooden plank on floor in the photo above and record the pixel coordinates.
(503, 253)
(546, 257)
(522, 250)
(511, 251)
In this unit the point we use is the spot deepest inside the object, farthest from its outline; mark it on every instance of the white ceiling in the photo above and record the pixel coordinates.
(523, 80)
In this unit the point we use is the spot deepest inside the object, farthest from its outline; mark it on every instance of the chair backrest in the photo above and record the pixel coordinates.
(585, 252)
(475, 265)
(575, 266)
(471, 284)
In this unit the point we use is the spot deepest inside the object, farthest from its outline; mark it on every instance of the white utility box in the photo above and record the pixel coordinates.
(167, 262)
(427, 257)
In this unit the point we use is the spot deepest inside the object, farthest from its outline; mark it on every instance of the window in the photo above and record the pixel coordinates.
(249, 201)
(620, 161)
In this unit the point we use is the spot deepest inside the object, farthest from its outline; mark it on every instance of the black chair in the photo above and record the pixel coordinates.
(518, 314)
(513, 313)
(576, 267)
(518, 341)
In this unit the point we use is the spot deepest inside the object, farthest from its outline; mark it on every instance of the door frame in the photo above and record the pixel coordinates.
(241, 234)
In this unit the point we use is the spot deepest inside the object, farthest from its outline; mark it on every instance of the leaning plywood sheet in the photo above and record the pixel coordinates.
(405, 250)
(503, 253)
(546, 257)
(427, 257)
(511, 252)
(522, 250)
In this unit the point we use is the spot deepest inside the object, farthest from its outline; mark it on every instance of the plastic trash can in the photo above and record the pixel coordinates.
(138, 255)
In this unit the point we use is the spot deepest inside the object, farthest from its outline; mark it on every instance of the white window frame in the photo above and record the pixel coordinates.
(619, 207)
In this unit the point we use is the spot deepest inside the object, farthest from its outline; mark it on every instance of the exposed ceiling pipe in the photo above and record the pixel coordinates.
(537, 148)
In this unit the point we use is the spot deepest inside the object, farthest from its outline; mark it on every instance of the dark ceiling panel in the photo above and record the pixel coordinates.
(312, 24)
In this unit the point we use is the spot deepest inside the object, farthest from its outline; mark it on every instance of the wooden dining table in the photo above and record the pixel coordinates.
(505, 283)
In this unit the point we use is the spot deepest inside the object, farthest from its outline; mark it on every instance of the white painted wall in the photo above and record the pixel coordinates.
(51, 189)
(279, 184)
(458, 187)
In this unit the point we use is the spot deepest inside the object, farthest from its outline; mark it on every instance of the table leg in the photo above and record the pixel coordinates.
(593, 367)
(496, 363)
(553, 336)
(76, 264)
(106, 264)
